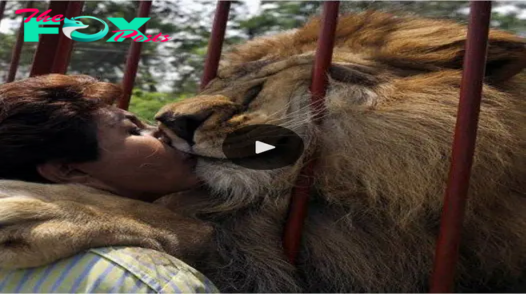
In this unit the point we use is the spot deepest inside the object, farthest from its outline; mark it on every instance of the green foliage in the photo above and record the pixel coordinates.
(510, 23)
(277, 16)
(146, 104)
(433, 9)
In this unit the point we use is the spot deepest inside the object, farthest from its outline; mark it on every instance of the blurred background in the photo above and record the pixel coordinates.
(171, 70)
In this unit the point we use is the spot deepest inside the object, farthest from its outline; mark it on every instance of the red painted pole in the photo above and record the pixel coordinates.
(447, 250)
(48, 44)
(132, 61)
(216, 42)
(17, 50)
(65, 44)
(300, 194)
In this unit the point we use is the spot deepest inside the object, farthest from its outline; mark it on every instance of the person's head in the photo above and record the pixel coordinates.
(63, 129)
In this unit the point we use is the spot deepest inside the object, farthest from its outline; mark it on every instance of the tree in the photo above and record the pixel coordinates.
(276, 17)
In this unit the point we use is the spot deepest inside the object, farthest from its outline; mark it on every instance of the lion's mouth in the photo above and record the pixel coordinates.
(286, 148)
(276, 158)
(163, 137)
(241, 147)
(243, 160)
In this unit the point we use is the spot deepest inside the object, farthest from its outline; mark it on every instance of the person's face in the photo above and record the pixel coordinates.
(134, 162)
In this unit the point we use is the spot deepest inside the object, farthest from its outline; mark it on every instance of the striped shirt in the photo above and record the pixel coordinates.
(109, 270)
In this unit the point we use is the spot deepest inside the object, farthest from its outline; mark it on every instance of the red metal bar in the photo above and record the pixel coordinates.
(132, 61)
(216, 42)
(2, 9)
(65, 44)
(17, 50)
(447, 250)
(48, 44)
(300, 194)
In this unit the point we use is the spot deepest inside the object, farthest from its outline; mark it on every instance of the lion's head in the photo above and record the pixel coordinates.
(385, 141)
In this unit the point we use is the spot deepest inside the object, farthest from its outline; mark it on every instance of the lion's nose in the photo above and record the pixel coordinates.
(183, 126)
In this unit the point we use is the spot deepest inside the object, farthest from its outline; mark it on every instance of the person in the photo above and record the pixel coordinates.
(64, 129)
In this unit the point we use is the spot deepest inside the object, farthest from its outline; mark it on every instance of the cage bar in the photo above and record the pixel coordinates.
(17, 50)
(447, 250)
(300, 193)
(65, 45)
(2, 9)
(215, 43)
(133, 58)
(48, 45)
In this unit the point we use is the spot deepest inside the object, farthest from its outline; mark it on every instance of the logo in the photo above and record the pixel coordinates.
(71, 25)
(38, 25)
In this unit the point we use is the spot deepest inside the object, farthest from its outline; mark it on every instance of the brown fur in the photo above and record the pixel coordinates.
(41, 223)
(384, 148)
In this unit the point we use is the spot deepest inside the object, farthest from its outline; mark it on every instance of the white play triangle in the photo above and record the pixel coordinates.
(263, 147)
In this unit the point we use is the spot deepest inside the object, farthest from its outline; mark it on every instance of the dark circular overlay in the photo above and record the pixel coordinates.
(240, 147)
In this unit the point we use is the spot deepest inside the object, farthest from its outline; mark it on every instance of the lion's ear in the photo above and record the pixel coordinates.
(432, 48)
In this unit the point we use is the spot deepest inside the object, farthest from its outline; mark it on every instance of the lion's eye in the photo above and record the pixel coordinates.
(353, 74)
(251, 94)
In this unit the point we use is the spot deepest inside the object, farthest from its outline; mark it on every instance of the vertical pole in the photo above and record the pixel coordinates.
(65, 44)
(447, 250)
(132, 61)
(48, 44)
(215, 43)
(17, 50)
(2, 9)
(300, 193)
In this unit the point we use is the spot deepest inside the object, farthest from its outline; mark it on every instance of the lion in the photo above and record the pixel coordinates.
(383, 153)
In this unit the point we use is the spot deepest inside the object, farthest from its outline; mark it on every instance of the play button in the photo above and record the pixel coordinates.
(263, 147)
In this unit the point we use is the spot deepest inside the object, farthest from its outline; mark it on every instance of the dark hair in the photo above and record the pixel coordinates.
(50, 118)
